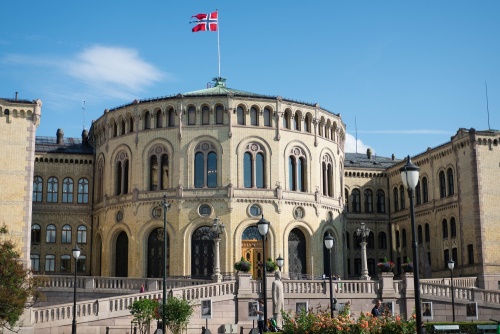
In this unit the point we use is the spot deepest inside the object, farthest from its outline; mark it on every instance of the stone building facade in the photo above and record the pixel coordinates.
(235, 155)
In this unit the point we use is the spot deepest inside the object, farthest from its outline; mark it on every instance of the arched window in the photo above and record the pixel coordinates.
(159, 119)
(36, 234)
(99, 181)
(445, 228)
(254, 116)
(442, 184)
(346, 200)
(403, 236)
(368, 194)
(451, 188)
(67, 190)
(327, 173)
(81, 236)
(131, 124)
(205, 166)
(297, 263)
(286, 119)
(50, 263)
(83, 191)
(147, 120)
(420, 238)
(370, 241)
(219, 115)
(425, 190)
(453, 227)
(115, 128)
(50, 236)
(52, 187)
(37, 189)
(396, 200)
(171, 117)
(205, 115)
(122, 127)
(158, 168)
(191, 116)
(307, 123)
(427, 233)
(253, 166)
(418, 194)
(267, 117)
(382, 240)
(297, 169)
(356, 200)
(296, 121)
(66, 234)
(402, 194)
(121, 175)
(380, 201)
(240, 115)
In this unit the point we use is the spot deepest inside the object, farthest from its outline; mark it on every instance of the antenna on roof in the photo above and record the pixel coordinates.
(356, 127)
(83, 112)
(487, 108)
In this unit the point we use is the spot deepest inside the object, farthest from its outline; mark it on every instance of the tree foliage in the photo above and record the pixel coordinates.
(18, 287)
(178, 311)
(144, 311)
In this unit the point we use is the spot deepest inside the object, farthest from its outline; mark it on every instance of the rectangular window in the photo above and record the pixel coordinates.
(82, 261)
(65, 264)
(50, 263)
(35, 262)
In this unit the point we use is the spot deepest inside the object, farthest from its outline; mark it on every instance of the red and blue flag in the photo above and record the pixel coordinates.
(205, 22)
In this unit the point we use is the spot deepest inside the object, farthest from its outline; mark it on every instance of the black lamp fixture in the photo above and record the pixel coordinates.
(329, 246)
(280, 261)
(76, 255)
(451, 266)
(263, 226)
(409, 176)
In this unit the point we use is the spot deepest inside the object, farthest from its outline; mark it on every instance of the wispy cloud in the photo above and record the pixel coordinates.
(350, 145)
(408, 132)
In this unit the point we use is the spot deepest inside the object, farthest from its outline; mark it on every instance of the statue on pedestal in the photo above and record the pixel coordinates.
(278, 298)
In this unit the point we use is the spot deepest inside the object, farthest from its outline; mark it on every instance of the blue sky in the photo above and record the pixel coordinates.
(406, 74)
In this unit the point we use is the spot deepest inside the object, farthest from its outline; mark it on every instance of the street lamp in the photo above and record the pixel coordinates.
(451, 265)
(409, 176)
(263, 226)
(165, 209)
(76, 255)
(280, 261)
(363, 232)
(217, 232)
(329, 246)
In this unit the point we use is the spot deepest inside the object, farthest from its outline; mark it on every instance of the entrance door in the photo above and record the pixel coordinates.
(297, 254)
(251, 250)
(155, 253)
(202, 253)
(121, 263)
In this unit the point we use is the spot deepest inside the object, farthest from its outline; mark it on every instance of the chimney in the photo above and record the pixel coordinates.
(393, 157)
(60, 136)
(17, 94)
(85, 137)
(369, 153)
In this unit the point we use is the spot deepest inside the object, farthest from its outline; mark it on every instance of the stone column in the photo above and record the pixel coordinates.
(364, 262)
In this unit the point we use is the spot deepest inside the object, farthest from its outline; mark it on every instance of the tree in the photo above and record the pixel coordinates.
(144, 311)
(178, 311)
(18, 287)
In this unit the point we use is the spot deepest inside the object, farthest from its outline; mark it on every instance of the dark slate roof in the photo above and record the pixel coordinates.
(70, 146)
(360, 160)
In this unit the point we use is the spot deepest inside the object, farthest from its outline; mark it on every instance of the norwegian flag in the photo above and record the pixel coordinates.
(206, 22)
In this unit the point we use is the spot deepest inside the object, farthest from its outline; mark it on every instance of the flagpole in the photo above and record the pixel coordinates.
(218, 40)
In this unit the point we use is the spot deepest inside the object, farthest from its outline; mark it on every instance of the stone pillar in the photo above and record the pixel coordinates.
(387, 283)
(409, 294)
(364, 262)
(217, 277)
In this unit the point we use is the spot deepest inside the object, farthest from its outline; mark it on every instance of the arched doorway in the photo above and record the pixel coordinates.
(202, 253)
(327, 255)
(155, 253)
(296, 254)
(251, 250)
(121, 262)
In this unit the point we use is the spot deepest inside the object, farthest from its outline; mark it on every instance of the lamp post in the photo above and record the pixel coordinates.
(280, 261)
(76, 255)
(263, 226)
(409, 176)
(363, 232)
(329, 245)
(217, 232)
(165, 209)
(451, 265)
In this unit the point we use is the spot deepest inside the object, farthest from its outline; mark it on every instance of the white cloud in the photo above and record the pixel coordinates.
(350, 145)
